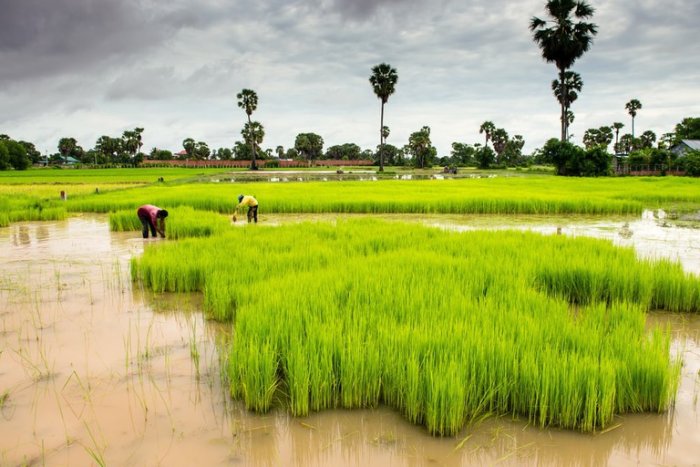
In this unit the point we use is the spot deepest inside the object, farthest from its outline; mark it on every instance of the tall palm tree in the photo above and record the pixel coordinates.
(383, 81)
(566, 40)
(248, 101)
(566, 93)
(487, 128)
(617, 126)
(632, 107)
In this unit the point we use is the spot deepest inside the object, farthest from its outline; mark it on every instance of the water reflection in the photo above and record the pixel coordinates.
(122, 364)
(20, 236)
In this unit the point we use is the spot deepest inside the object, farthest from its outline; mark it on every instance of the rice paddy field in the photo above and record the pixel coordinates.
(375, 322)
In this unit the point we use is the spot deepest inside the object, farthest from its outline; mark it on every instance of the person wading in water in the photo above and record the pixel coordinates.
(152, 218)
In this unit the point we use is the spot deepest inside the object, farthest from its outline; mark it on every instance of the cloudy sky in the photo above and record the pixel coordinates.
(86, 68)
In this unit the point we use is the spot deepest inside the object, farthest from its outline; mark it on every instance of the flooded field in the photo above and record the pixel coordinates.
(95, 371)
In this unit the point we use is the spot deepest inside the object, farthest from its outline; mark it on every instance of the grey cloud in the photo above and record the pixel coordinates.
(39, 38)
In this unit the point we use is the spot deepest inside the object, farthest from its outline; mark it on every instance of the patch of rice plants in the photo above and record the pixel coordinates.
(444, 326)
(182, 222)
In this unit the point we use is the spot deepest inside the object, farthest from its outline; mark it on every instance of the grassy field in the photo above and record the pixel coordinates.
(446, 327)
(519, 195)
(100, 176)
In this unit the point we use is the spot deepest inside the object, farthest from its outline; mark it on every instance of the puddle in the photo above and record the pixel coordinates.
(93, 370)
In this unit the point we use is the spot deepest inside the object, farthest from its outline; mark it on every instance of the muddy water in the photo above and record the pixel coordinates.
(95, 371)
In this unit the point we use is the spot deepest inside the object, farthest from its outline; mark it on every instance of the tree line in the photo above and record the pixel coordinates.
(563, 37)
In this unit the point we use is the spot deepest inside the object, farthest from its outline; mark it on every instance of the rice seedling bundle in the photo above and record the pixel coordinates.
(444, 326)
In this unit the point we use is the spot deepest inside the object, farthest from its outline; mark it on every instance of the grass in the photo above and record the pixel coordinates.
(71, 176)
(443, 326)
(513, 195)
(181, 222)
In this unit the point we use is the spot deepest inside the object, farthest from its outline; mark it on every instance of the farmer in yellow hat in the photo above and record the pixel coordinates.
(252, 204)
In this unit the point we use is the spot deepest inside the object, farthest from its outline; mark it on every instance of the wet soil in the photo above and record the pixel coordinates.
(94, 370)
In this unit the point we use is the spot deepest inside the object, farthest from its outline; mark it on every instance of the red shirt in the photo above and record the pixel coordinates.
(150, 211)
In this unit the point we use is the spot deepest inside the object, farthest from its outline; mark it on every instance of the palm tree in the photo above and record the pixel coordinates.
(617, 126)
(632, 107)
(385, 133)
(569, 119)
(566, 40)
(188, 144)
(383, 81)
(254, 133)
(248, 101)
(487, 128)
(566, 93)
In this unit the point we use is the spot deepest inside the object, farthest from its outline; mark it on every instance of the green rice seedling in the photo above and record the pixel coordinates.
(446, 327)
(182, 222)
(530, 195)
(124, 221)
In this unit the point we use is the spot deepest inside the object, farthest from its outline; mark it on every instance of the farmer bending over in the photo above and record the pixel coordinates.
(252, 204)
(152, 218)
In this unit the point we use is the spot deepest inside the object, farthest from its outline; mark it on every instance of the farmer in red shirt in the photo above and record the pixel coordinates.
(153, 218)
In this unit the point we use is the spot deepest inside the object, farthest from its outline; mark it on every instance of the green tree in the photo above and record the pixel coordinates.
(347, 151)
(309, 146)
(513, 152)
(628, 143)
(569, 119)
(4, 155)
(594, 137)
(109, 148)
(462, 154)
(253, 133)
(596, 162)
(13, 154)
(224, 154)
(564, 155)
(691, 163)
(241, 151)
(383, 81)
(420, 148)
(647, 139)
(68, 147)
(485, 157)
(566, 92)
(201, 151)
(161, 154)
(19, 159)
(132, 142)
(390, 154)
(385, 133)
(248, 101)
(617, 126)
(33, 154)
(499, 139)
(188, 145)
(632, 107)
(567, 40)
(689, 128)
(667, 140)
(487, 128)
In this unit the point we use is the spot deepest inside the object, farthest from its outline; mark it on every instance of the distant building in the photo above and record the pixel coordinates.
(684, 146)
(71, 160)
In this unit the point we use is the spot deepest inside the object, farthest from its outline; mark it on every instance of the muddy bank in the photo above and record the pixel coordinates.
(94, 370)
